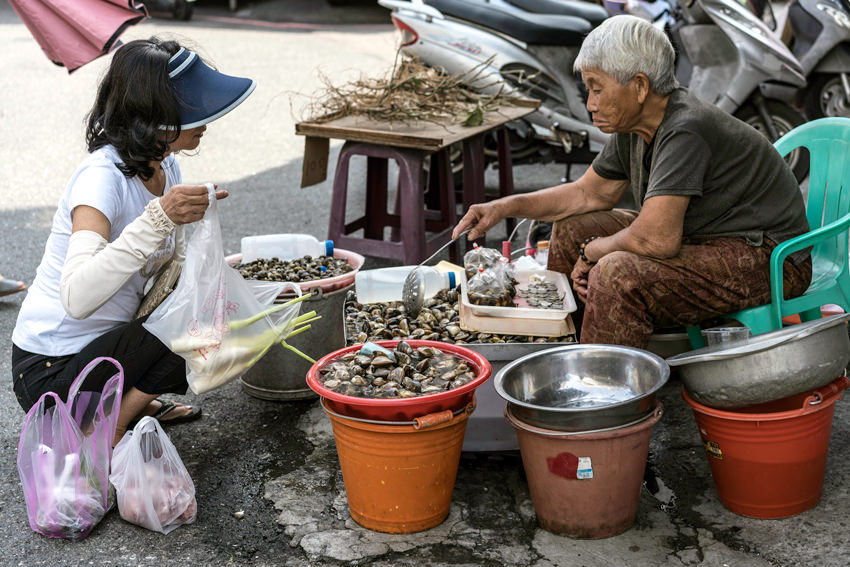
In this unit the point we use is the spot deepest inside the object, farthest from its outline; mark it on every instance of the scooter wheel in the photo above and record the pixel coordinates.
(825, 97)
(785, 119)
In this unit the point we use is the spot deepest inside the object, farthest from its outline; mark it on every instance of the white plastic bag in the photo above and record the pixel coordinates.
(209, 318)
(153, 488)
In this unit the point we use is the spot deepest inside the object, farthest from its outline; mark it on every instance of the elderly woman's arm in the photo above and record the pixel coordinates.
(589, 193)
(656, 232)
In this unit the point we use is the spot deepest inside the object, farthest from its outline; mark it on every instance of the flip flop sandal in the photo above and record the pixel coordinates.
(168, 406)
(164, 409)
(8, 287)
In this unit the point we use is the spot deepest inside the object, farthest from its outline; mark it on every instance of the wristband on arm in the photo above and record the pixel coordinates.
(583, 246)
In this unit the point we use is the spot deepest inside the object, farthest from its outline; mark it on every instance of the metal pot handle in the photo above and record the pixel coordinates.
(831, 389)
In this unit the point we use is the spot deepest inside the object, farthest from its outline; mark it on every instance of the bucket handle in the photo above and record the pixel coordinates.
(434, 419)
(831, 389)
(512, 419)
(422, 422)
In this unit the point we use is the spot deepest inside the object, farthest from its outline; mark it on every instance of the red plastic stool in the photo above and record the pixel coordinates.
(411, 219)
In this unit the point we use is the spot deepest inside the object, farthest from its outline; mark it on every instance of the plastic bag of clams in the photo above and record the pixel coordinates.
(438, 320)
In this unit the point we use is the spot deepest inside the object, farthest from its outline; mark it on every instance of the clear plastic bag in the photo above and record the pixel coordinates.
(153, 487)
(480, 257)
(64, 455)
(489, 287)
(220, 323)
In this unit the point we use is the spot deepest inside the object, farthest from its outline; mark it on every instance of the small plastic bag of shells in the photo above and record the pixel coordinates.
(153, 487)
(480, 257)
(507, 273)
(491, 287)
(404, 372)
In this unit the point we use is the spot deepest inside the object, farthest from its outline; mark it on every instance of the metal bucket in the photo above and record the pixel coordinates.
(282, 375)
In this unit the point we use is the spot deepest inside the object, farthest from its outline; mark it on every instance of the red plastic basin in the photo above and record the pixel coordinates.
(402, 409)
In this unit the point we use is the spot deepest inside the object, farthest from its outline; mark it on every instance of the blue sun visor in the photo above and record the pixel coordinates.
(203, 93)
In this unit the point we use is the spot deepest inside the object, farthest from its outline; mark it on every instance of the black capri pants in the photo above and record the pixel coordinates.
(148, 366)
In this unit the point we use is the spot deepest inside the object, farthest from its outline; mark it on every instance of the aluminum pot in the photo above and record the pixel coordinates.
(767, 367)
(583, 387)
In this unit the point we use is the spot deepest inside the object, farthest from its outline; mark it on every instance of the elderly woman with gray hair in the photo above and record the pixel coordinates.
(714, 198)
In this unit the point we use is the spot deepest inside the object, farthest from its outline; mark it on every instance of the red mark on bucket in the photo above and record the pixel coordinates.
(564, 465)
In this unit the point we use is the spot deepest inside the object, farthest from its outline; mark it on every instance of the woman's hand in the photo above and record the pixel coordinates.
(185, 204)
(479, 219)
(579, 278)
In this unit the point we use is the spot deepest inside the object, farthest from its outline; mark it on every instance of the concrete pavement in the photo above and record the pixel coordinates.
(277, 462)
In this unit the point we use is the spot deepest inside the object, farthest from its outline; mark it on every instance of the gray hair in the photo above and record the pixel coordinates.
(623, 46)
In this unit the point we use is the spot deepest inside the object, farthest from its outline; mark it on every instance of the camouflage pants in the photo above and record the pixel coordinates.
(630, 295)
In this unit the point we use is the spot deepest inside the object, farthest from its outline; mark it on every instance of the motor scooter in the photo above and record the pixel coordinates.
(727, 56)
(518, 52)
(820, 39)
(818, 34)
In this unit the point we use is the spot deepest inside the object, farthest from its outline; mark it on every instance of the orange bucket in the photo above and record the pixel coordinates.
(769, 460)
(585, 485)
(399, 476)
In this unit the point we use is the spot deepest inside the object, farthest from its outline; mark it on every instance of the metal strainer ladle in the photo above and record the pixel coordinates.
(413, 290)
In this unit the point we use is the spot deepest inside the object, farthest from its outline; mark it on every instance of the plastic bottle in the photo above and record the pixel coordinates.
(542, 255)
(284, 246)
(385, 284)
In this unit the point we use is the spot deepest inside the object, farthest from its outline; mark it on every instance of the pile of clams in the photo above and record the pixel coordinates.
(414, 372)
(304, 269)
(438, 320)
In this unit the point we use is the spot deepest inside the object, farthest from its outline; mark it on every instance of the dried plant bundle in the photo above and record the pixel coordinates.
(411, 92)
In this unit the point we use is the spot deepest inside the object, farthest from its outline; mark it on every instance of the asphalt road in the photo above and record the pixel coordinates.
(275, 461)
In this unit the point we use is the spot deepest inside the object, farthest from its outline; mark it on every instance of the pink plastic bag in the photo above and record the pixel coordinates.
(64, 455)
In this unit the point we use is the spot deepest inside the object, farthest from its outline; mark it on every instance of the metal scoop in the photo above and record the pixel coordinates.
(413, 290)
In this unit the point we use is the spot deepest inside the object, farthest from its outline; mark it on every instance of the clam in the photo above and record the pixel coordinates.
(414, 372)
(381, 361)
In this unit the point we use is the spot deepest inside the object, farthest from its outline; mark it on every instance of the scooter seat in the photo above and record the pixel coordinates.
(534, 29)
(593, 13)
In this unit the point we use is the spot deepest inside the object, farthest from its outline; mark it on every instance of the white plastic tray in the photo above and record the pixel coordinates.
(522, 309)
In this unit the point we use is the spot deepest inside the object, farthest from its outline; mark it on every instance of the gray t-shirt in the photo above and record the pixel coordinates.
(738, 183)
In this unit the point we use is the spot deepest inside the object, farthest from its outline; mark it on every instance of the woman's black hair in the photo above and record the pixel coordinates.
(135, 100)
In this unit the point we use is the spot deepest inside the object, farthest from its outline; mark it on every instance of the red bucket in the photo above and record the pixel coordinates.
(769, 460)
(404, 409)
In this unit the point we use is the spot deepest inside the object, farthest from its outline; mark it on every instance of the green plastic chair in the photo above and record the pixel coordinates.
(828, 213)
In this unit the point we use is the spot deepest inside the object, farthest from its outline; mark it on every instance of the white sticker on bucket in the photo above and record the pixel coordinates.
(585, 468)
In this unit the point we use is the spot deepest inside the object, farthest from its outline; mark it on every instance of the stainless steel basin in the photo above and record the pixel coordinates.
(582, 387)
(767, 367)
